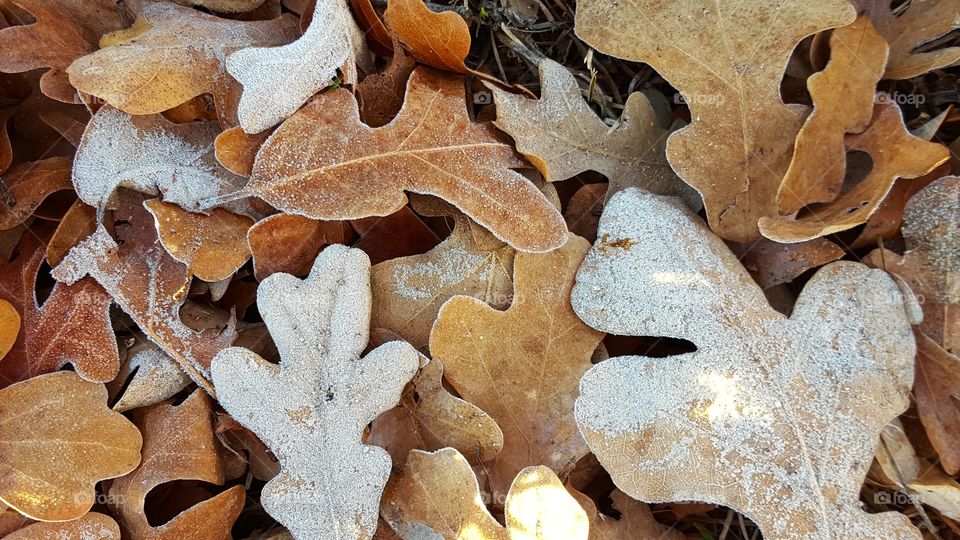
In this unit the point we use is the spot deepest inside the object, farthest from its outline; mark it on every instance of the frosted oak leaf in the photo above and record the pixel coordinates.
(775, 417)
(312, 409)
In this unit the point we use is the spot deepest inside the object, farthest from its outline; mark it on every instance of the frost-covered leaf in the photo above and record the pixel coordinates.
(913, 25)
(636, 521)
(156, 377)
(775, 417)
(58, 439)
(727, 59)
(279, 80)
(324, 163)
(312, 409)
(441, 40)
(522, 366)
(170, 55)
(178, 444)
(149, 154)
(29, 184)
(92, 526)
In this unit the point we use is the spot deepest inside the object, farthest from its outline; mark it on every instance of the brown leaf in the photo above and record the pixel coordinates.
(9, 327)
(562, 136)
(912, 25)
(431, 147)
(399, 234)
(378, 38)
(237, 438)
(136, 72)
(148, 284)
(583, 210)
(91, 526)
(937, 390)
(772, 416)
(155, 377)
(728, 64)
(72, 326)
(522, 366)
(235, 149)
(441, 40)
(896, 154)
(289, 243)
(64, 31)
(842, 96)
(381, 94)
(409, 291)
(213, 246)
(178, 444)
(30, 184)
(636, 521)
(78, 223)
(60, 419)
(771, 263)
(437, 495)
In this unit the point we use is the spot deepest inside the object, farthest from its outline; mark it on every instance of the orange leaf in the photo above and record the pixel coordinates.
(289, 243)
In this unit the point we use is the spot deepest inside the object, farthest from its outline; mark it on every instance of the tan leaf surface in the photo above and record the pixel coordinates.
(636, 521)
(522, 366)
(9, 327)
(60, 419)
(727, 60)
(92, 526)
(290, 243)
(72, 326)
(279, 80)
(149, 154)
(772, 263)
(432, 147)
(236, 149)
(64, 31)
(137, 73)
(178, 444)
(895, 153)
(78, 223)
(409, 291)
(155, 377)
(381, 94)
(30, 184)
(774, 417)
(441, 40)
(562, 136)
(910, 26)
(843, 95)
(148, 284)
(312, 409)
(583, 210)
(437, 496)
(430, 418)
(213, 246)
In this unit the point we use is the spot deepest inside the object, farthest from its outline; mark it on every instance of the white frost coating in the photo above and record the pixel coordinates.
(931, 227)
(776, 417)
(149, 154)
(157, 378)
(311, 410)
(278, 80)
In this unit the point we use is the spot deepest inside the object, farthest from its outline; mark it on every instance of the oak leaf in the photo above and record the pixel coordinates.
(583, 210)
(381, 94)
(148, 377)
(843, 96)
(727, 61)
(313, 408)
(76, 224)
(213, 246)
(431, 147)
(148, 284)
(149, 154)
(178, 444)
(279, 80)
(91, 526)
(910, 26)
(522, 366)
(60, 419)
(137, 73)
(441, 40)
(29, 184)
(636, 521)
(236, 149)
(895, 153)
(772, 263)
(290, 243)
(9, 326)
(562, 136)
(774, 417)
(401, 234)
(437, 496)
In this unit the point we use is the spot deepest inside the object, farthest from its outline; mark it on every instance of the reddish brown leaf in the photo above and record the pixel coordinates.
(289, 243)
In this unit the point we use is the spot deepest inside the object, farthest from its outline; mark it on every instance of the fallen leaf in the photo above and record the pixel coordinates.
(148, 284)
(727, 62)
(135, 72)
(60, 419)
(381, 94)
(263, 466)
(64, 31)
(9, 326)
(771, 263)
(279, 80)
(562, 136)
(91, 526)
(432, 147)
(937, 391)
(400, 234)
(522, 365)
(895, 153)
(236, 149)
(441, 40)
(149, 154)
(30, 184)
(225, 6)
(430, 418)
(583, 210)
(290, 243)
(312, 409)
(72, 326)
(910, 26)
(437, 496)
(178, 444)
(774, 417)
(843, 96)
(213, 246)
(376, 34)
(155, 377)
(636, 521)
(409, 291)
(78, 223)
